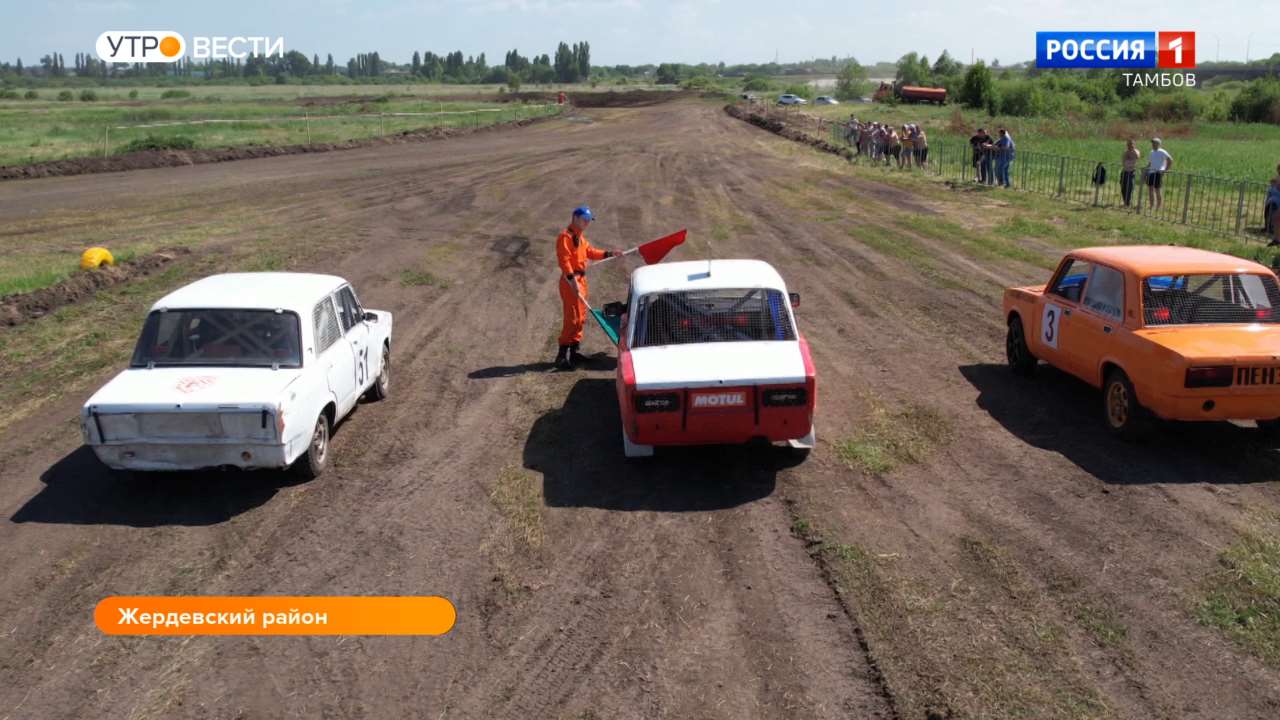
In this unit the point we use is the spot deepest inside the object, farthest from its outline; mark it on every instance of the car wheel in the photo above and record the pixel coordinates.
(313, 461)
(1125, 418)
(382, 386)
(1021, 361)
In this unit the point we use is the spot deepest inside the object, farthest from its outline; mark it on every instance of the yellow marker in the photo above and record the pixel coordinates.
(96, 257)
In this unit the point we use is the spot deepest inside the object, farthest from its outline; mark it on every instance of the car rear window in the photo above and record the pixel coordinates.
(1210, 298)
(706, 316)
(219, 337)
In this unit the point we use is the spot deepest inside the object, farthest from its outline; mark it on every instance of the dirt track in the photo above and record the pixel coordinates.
(673, 589)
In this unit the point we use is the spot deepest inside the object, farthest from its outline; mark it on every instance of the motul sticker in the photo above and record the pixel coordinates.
(720, 400)
(189, 385)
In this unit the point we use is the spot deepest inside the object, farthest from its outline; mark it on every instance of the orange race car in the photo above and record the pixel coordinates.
(1180, 333)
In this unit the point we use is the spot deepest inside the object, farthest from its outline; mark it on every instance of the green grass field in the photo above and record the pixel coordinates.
(1245, 151)
(45, 129)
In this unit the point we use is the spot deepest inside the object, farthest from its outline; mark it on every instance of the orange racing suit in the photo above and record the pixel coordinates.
(572, 252)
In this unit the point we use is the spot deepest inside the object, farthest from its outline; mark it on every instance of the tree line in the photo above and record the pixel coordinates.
(569, 64)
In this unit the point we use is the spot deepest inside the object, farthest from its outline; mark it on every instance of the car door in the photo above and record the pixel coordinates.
(357, 333)
(1060, 303)
(334, 354)
(1095, 324)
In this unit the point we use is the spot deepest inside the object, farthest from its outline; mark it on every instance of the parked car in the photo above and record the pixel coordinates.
(749, 97)
(247, 370)
(1174, 332)
(789, 99)
(826, 100)
(709, 353)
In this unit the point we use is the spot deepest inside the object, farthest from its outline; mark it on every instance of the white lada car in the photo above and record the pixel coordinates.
(247, 370)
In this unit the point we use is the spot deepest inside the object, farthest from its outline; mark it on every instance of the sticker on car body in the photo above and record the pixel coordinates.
(1050, 325)
(720, 400)
(189, 385)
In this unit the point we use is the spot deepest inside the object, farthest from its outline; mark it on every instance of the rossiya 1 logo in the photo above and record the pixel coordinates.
(1162, 50)
(166, 46)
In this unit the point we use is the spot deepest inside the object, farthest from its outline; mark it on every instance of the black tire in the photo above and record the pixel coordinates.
(1021, 361)
(313, 462)
(1123, 415)
(382, 386)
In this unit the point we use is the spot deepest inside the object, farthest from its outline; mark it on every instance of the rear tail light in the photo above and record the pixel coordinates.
(1209, 376)
(657, 402)
(1262, 313)
(785, 397)
(1161, 315)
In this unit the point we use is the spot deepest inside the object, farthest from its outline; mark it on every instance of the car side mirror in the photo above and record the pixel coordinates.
(370, 316)
(795, 299)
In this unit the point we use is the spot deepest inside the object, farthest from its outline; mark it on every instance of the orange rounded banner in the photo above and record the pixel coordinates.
(274, 615)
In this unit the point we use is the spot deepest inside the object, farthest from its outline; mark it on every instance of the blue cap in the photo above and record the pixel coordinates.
(583, 211)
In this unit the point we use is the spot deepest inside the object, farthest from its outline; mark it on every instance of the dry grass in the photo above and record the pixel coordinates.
(893, 437)
(518, 498)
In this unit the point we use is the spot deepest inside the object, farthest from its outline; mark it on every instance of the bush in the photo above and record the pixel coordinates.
(66, 96)
(174, 94)
(978, 89)
(699, 82)
(133, 94)
(851, 83)
(8, 94)
(803, 90)
(1258, 102)
(88, 96)
(756, 83)
(32, 95)
(153, 142)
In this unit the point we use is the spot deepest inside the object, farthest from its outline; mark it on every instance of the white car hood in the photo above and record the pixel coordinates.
(193, 387)
(759, 362)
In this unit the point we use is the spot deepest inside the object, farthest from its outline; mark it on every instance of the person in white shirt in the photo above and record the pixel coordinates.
(1160, 162)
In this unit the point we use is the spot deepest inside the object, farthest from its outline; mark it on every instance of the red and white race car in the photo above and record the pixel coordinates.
(709, 354)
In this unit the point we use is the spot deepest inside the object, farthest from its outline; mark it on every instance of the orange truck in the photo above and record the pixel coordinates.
(910, 93)
(1170, 332)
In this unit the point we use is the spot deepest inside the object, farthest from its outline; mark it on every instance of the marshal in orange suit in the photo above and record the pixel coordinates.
(573, 250)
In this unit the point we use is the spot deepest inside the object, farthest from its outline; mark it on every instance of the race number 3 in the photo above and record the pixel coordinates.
(1050, 325)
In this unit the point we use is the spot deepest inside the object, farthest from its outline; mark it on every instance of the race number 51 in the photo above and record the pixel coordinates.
(1050, 325)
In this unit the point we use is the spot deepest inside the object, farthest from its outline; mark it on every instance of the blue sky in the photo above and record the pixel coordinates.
(641, 31)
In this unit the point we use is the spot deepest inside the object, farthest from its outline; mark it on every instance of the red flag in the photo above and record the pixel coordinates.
(654, 251)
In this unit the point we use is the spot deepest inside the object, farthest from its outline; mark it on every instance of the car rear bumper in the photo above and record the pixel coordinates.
(177, 457)
(1210, 406)
(794, 426)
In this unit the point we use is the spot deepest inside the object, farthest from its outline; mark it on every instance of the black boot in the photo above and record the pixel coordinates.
(562, 359)
(576, 357)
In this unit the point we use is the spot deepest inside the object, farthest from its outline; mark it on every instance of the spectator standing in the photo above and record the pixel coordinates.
(1160, 162)
(893, 145)
(864, 139)
(922, 147)
(1128, 168)
(981, 142)
(1004, 151)
(908, 147)
(1273, 208)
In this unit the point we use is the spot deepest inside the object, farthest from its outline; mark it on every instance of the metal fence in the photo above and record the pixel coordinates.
(1216, 204)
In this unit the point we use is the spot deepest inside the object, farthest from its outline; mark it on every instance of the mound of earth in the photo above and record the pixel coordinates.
(780, 128)
(144, 159)
(20, 307)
